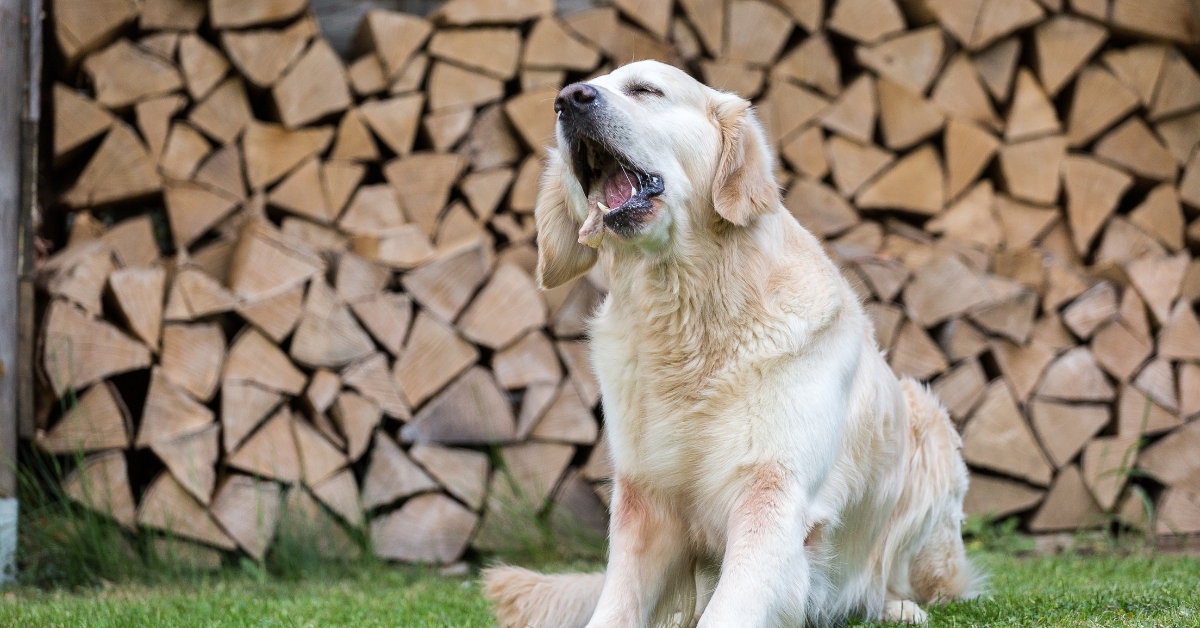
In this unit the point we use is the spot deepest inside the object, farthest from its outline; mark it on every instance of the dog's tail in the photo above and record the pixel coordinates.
(525, 599)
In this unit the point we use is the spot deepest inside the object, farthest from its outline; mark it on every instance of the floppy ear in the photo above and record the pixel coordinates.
(561, 257)
(744, 184)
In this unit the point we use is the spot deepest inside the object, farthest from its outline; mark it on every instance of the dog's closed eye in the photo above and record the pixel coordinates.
(642, 89)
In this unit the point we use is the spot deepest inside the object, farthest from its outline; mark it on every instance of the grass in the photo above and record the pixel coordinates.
(1070, 590)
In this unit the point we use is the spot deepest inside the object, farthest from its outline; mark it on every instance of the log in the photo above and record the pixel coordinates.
(484, 190)
(865, 21)
(394, 120)
(99, 420)
(756, 32)
(490, 143)
(1139, 415)
(429, 528)
(916, 355)
(1178, 88)
(961, 94)
(203, 66)
(319, 459)
(101, 484)
(911, 60)
(1123, 243)
(507, 307)
(998, 18)
(1173, 460)
(422, 182)
(190, 459)
(567, 420)
(914, 183)
(179, 15)
(354, 141)
(1031, 115)
(1161, 216)
(167, 506)
(523, 197)
(122, 74)
(392, 475)
(371, 378)
(1158, 280)
(1133, 146)
(195, 295)
(1179, 338)
(249, 510)
(412, 76)
(996, 498)
(535, 402)
(243, 407)
(402, 248)
(1063, 44)
(254, 358)
(194, 209)
(322, 391)
(550, 45)
(1180, 135)
(472, 410)
(169, 412)
(77, 121)
(819, 208)
(1119, 350)
(493, 51)
(271, 151)
(271, 451)
(185, 148)
(121, 170)
(313, 88)
(996, 437)
(452, 87)
(366, 76)
(1157, 380)
(1068, 505)
(83, 26)
(81, 275)
(923, 296)
(275, 316)
(1075, 376)
(854, 164)
(267, 263)
(444, 285)
(971, 219)
(357, 418)
(222, 172)
(571, 319)
(1099, 101)
(1064, 428)
(905, 117)
(853, 113)
(1178, 512)
(78, 351)
(374, 210)
(528, 361)
(192, 357)
(340, 494)
(533, 116)
(263, 55)
(434, 356)
(328, 335)
(1030, 169)
(811, 63)
(1011, 318)
(235, 14)
(997, 65)
(1093, 308)
(304, 520)
(463, 472)
(394, 37)
(885, 319)
(359, 279)
(1106, 465)
(301, 193)
(386, 317)
(445, 128)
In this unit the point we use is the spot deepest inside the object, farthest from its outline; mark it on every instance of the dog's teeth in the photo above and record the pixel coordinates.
(603, 208)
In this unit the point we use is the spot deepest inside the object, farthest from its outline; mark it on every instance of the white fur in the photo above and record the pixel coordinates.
(756, 431)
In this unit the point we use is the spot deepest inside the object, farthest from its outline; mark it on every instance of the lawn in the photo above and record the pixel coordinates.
(1044, 591)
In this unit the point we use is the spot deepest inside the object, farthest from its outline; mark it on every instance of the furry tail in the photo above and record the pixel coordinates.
(525, 599)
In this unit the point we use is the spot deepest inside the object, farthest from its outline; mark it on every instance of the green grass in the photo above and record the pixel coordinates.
(1097, 591)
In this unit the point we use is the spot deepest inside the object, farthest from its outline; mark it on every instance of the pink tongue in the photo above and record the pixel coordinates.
(619, 188)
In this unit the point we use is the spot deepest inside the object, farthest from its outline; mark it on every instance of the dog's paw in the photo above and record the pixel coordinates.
(904, 612)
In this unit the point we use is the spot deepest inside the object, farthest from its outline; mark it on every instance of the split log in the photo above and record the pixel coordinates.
(535, 402)
(422, 182)
(533, 116)
(184, 150)
(1031, 169)
(915, 354)
(77, 121)
(1158, 280)
(319, 459)
(484, 190)
(123, 74)
(195, 295)
(853, 113)
(98, 421)
(865, 21)
(392, 475)
(1119, 350)
(854, 164)
(271, 151)
(1063, 428)
(969, 149)
(402, 248)
(1092, 309)
(490, 142)
(81, 275)
(1093, 191)
(374, 210)
(101, 483)
(472, 410)
(271, 451)
(886, 319)
(429, 528)
(394, 120)
(1157, 379)
(1133, 146)
(1068, 505)
(529, 475)
(191, 460)
(1075, 376)
(811, 63)
(452, 87)
(997, 498)
(971, 219)
(1179, 338)
(371, 378)
(1173, 460)
(366, 76)
(527, 361)
(192, 357)
(445, 128)
(394, 37)
(194, 209)
(180, 15)
(255, 359)
(267, 263)
(914, 183)
(960, 92)
(493, 51)
(314, 87)
(121, 170)
(577, 356)
(1099, 101)
(523, 197)
(1138, 414)
(263, 55)
(303, 520)
(507, 307)
(997, 437)
(328, 335)
(386, 317)
(301, 193)
(551, 45)
(78, 351)
(167, 506)
(249, 510)
(1106, 466)
(1178, 88)
(463, 472)
(222, 171)
(81, 27)
(446, 284)
(340, 494)
(905, 117)
(923, 295)
(1161, 216)
(961, 388)
(567, 420)
(322, 391)
(357, 418)
(169, 412)
(275, 316)
(1063, 44)
(1178, 512)
(202, 64)
(243, 406)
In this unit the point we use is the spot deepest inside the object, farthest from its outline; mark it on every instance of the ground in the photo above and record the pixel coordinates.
(1112, 590)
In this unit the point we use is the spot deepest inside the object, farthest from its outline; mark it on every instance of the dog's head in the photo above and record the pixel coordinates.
(646, 155)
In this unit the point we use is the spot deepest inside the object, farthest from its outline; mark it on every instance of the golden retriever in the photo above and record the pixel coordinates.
(770, 469)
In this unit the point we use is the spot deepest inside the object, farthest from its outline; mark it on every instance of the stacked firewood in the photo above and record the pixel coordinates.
(320, 297)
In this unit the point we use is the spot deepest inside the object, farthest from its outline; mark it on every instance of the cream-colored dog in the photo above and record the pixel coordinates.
(770, 470)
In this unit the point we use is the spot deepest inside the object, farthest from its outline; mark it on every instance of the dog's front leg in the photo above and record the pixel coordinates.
(764, 573)
(647, 551)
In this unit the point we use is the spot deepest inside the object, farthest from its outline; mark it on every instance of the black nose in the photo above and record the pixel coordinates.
(575, 97)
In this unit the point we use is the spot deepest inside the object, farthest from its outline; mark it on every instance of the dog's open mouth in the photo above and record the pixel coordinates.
(624, 191)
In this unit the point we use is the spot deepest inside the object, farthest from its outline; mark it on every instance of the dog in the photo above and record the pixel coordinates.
(769, 468)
